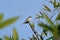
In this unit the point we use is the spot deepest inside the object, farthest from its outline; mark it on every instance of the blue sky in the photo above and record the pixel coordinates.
(22, 8)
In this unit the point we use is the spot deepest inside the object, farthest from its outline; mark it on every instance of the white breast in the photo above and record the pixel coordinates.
(29, 19)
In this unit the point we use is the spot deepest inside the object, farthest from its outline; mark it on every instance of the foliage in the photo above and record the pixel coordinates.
(51, 26)
(14, 37)
(7, 22)
(46, 8)
(15, 34)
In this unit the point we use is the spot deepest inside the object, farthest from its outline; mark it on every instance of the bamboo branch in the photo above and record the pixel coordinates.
(35, 33)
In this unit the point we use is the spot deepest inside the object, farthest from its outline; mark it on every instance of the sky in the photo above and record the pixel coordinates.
(23, 9)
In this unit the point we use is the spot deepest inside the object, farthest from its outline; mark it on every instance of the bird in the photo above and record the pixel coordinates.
(28, 19)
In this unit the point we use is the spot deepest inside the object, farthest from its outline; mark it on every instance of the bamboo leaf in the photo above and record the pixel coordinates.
(46, 27)
(58, 4)
(55, 4)
(58, 17)
(0, 38)
(46, 8)
(15, 34)
(44, 32)
(8, 22)
(11, 38)
(59, 30)
(1, 17)
(6, 38)
(38, 16)
(49, 20)
(51, 38)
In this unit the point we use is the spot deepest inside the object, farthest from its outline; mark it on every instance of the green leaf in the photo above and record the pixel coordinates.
(58, 30)
(11, 38)
(48, 20)
(46, 27)
(8, 22)
(0, 38)
(15, 34)
(58, 17)
(6, 38)
(46, 8)
(51, 38)
(55, 4)
(1, 17)
(38, 16)
(44, 32)
(58, 4)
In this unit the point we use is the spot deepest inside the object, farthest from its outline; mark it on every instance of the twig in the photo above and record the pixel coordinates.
(34, 32)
